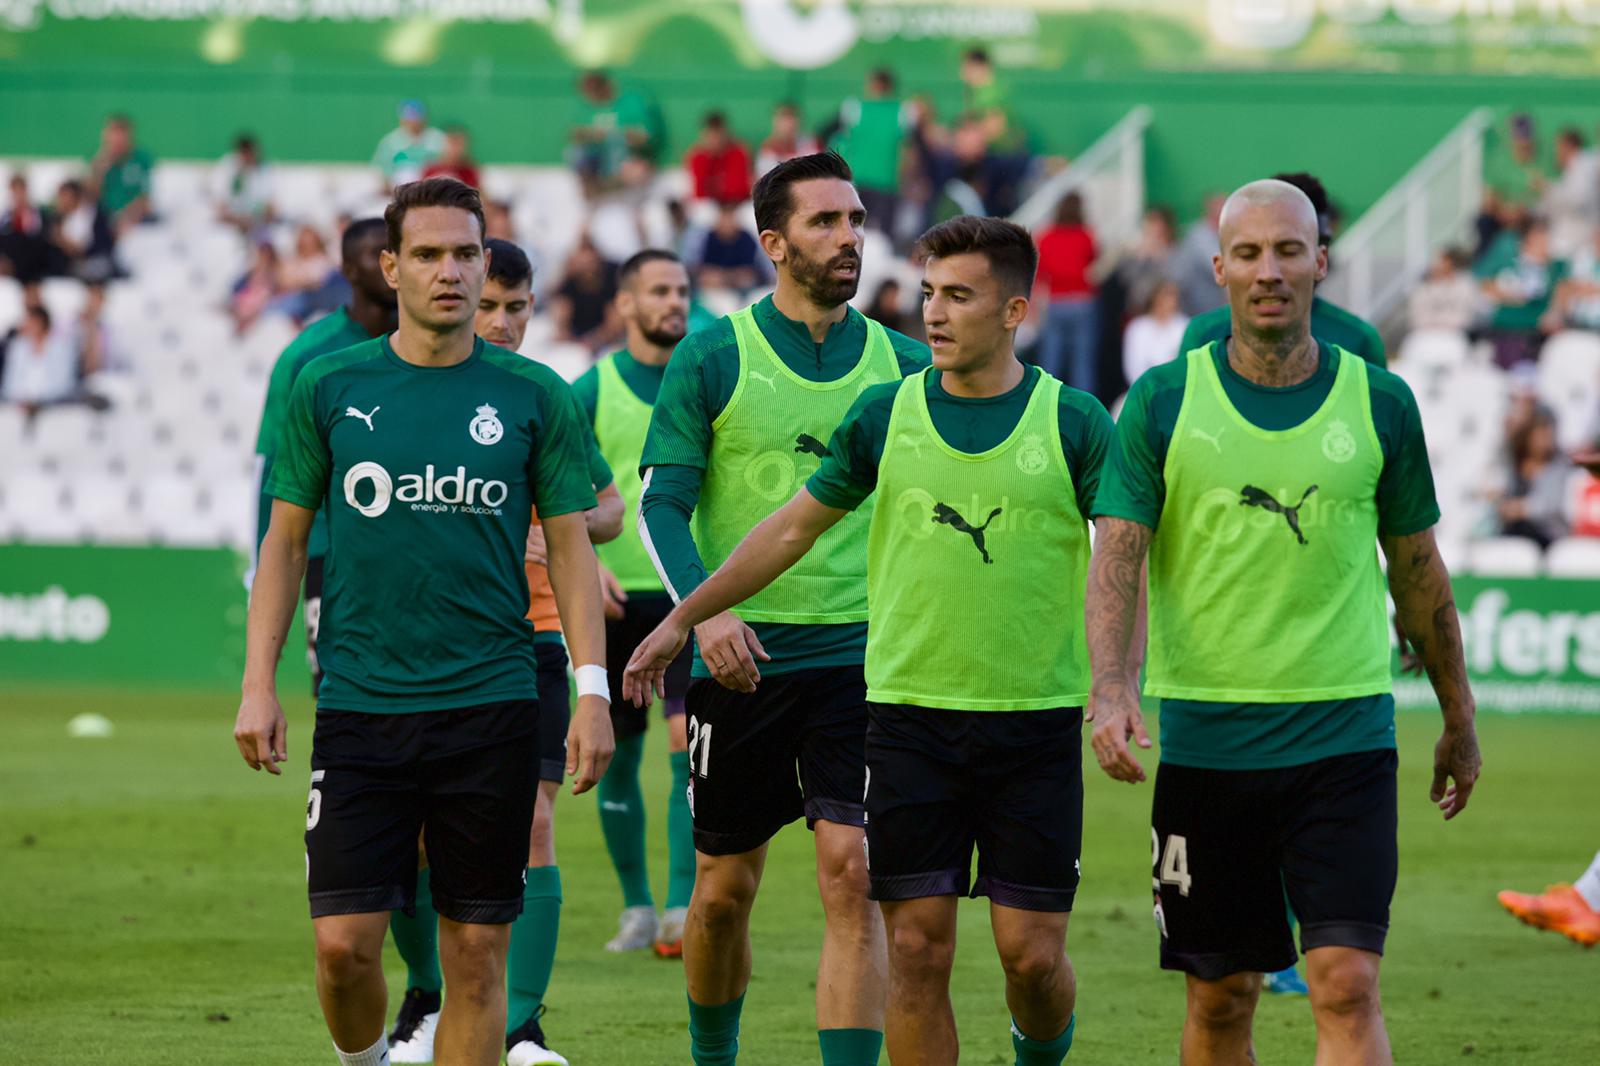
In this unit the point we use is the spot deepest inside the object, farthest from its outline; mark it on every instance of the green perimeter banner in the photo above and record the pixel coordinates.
(131, 616)
(1457, 37)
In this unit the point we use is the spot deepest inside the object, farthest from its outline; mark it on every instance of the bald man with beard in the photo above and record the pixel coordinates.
(1255, 472)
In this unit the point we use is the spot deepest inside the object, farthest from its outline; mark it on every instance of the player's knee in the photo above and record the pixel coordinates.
(1345, 987)
(1032, 964)
(914, 953)
(1226, 1002)
(723, 904)
(475, 963)
(343, 958)
(842, 876)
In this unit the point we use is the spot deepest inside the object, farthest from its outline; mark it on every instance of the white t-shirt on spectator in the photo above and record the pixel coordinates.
(43, 373)
(1451, 303)
(1572, 205)
(1148, 342)
(246, 193)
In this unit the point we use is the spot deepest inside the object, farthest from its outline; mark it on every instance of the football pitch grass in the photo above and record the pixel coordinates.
(152, 911)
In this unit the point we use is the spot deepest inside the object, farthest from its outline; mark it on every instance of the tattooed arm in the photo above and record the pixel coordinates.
(1425, 608)
(1110, 610)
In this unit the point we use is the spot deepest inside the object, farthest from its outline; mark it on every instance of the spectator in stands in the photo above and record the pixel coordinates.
(81, 232)
(1570, 200)
(1006, 156)
(583, 306)
(613, 130)
(718, 163)
(1521, 293)
(870, 133)
(1533, 505)
(25, 249)
(253, 292)
(1448, 297)
(1191, 267)
(1069, 340)
(785, 141)
(120, 173)
(455, 158)
(406, 150)
(1147, 263)
(497, 222)
(1153, 337)
(308, 279)
(888, 308)
(730, 257)
(43, 363)
(930, 161)
(241, 187)
(1577, 303)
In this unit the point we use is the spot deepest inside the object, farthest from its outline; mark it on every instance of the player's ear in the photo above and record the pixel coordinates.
(390, 264)
(1322, 262)
(1016, 312)
(774, 245)
(625, 302)
(1217, 272)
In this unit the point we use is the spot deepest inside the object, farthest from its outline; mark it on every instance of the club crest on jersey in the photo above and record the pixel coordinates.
(1338, 446)
(1031, 456)
(486, 428)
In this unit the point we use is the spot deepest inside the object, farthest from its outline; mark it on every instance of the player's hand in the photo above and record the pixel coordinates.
(261, 731)
(645, 677)
(535, 552)
(590, 743)
(1456, 758)
(730, 650)
(612, 597)
(1114, 710)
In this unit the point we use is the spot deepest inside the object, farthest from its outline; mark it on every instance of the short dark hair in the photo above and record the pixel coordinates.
(508, 264)
(1316, 192)
(715, 120)
(1572, 136)
(38, 311)
(246, 142)
(882, 76)
(639, 260)
(119, 118)
(1013, 257)
(773, 200)
(430, 192)
(977, 55)
(360, 230)
(1069, 212)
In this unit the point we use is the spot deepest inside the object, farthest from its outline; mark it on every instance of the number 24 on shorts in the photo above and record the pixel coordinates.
(1171, 866)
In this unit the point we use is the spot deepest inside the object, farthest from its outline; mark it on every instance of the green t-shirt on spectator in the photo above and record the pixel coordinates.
(126, 181)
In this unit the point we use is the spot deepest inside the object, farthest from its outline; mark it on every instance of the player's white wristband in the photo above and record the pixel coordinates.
(592, 682)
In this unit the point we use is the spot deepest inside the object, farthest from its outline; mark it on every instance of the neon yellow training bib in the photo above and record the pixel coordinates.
(621, 420)
(1264, 577)
(767, 441)
(976, 566)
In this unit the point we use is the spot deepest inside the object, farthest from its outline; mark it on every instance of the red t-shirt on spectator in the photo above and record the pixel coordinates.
(723, 177)
(465, 173)
(1065, 253)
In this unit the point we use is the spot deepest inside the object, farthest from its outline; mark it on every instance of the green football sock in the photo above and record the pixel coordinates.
(1032, 1052)
(850, 1047)
(622, 821)
(714, 1033)
(533, 945)
(417, 939)
(680, 834)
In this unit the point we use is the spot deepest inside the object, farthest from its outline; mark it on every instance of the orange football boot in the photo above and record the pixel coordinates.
(1559, 909)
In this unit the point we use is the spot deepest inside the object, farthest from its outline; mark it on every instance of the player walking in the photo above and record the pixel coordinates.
(618, 394)
(1257, 474)
(370, 313)
(428, 449)
(743, 411)
(983, 470)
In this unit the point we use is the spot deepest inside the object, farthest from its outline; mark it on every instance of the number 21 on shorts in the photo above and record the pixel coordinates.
(1170, 865)
(699, 747)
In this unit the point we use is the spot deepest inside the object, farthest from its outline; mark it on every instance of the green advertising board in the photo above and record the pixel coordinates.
(160, 616)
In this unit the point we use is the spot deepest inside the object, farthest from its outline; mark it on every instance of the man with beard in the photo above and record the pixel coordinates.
(744, 411)
(618, 394)
(372, 310)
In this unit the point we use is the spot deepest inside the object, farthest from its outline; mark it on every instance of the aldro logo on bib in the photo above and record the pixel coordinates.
(370, 489)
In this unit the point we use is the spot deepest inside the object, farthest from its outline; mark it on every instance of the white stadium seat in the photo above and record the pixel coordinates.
(1504, 557)
(34, 508)
(1576, 557)
(1569, 384)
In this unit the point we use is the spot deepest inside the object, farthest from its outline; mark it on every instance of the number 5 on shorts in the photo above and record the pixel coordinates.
(1171, 867)
(314, 801)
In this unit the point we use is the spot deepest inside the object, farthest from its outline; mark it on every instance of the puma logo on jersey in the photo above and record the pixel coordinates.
(1250, 496)
(764, 379)
(807, 444)
(1215, 440)
(944, 514)
(367, 418)
(912, 441)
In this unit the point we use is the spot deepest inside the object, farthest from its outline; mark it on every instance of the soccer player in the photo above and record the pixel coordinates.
(1257, 474)
(504, 308)
(428, 448)
(1571, 910)
(1329, 321)
(981, 471)
(744, 409)
(371, 312)
(618, 395)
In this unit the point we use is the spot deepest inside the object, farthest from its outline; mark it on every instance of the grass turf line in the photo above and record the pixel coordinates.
(153, 901)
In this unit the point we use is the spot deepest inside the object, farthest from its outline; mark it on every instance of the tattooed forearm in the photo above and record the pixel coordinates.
(1113, 596)
(1426, 609)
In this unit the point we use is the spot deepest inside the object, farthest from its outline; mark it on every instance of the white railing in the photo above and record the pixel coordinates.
(1386, 251)
(1109, 175)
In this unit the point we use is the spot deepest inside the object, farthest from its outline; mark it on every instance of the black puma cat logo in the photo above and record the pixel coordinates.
(946, 515)
(1250, 496)
(805, 442)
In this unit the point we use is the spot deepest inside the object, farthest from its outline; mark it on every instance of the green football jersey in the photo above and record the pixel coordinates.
(327, 334)
(428, 475)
